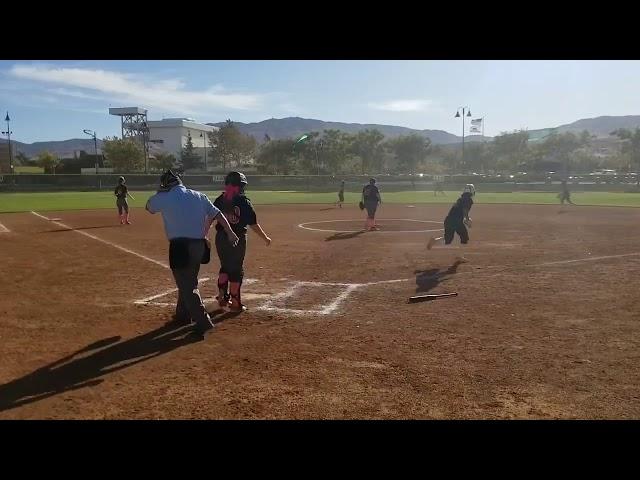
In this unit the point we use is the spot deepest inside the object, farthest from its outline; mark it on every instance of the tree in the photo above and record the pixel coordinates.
(47, 160)
(410, 151)
(230, 146)
(367, 145)
(334, 149)
(511, 149)
(124, 155)
(630, 146)
(277, 157)
(560, 147)
(163, 161)
(190, 159)
(21, 159)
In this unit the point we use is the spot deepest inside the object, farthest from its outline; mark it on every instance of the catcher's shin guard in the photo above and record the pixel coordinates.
(236, 303)
(223, 286)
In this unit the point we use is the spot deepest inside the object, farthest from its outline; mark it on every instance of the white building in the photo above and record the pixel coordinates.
(170, 135)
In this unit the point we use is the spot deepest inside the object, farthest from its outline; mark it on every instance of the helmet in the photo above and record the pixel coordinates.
(121, 180)
(237, 179)
(372, 181)
(168, 180)
(469, 188)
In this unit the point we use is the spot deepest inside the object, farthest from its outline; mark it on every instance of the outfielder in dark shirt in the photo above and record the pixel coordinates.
(238, 210)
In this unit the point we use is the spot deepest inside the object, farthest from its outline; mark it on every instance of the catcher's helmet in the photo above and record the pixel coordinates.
(121, 180)
(168, 180)
(237, 179)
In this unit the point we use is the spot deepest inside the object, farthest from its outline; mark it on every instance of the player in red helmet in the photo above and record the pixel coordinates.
(238, 210)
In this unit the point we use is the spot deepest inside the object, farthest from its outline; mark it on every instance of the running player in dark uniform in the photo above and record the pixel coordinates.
(565, 195)
(457, 220)
(371, 199)
(237, 208)
(341, 194)
(121, 192)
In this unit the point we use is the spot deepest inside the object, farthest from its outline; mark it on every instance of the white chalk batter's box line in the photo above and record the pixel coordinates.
(268, 305)
(4, 229)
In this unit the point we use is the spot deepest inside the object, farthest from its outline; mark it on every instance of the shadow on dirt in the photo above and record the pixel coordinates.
(427, 280)
(343, 235)
(84, 367)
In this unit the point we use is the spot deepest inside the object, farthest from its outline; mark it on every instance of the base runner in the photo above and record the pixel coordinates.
(121, 192)
(457, 220)
(237, 208)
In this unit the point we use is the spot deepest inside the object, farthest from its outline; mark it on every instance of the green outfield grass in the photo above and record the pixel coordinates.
(21, 202)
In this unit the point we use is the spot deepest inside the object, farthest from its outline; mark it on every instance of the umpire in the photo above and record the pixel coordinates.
(187, 216)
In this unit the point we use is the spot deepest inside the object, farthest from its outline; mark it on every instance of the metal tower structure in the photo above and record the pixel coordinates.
(134, 125)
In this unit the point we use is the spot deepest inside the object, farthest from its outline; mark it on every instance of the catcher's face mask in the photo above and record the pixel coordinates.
(168, 180)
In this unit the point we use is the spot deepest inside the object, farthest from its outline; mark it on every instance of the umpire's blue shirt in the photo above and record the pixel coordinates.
(186, 213)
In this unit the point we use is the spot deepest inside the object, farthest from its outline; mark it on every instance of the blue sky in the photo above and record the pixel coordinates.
(57, 100)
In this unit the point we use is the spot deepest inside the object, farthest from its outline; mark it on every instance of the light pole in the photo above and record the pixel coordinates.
(8, 134)
(458, 116)
(95, 145)
(204, 137)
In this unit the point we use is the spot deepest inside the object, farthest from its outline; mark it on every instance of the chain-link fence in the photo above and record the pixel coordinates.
(319, 183)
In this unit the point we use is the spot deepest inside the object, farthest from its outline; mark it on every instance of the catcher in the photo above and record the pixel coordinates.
(238, 210)
(370, 200)
(121, 192)
(458, 219)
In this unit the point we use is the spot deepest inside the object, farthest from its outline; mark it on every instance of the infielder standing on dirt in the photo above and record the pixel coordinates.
(458, 219)
(187, 216)
(371, 199)
(238, 210)
(565, 195)
(121, 192)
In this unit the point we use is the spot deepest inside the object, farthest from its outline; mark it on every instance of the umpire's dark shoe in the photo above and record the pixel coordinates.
(201, 328)
(175, 320)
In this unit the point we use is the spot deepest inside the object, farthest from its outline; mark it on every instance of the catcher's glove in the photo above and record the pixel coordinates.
(361, 205)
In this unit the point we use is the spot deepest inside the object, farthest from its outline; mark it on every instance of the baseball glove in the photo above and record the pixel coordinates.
(361, 205)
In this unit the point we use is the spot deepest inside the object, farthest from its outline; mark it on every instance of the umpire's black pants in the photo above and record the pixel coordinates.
(185, 256)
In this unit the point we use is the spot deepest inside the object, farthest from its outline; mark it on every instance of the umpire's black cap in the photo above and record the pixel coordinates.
(237, 179)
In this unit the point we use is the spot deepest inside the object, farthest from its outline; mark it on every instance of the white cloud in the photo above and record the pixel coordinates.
(410, 105)
(169, 95)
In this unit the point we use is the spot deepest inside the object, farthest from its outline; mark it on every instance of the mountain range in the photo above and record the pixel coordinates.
(293, 127)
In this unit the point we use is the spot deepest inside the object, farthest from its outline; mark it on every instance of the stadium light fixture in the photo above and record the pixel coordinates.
(92, 133)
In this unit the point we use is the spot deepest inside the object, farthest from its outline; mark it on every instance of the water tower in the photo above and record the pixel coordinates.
(133, 122)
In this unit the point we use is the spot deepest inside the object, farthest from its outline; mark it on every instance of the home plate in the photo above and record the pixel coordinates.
(245, 296)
